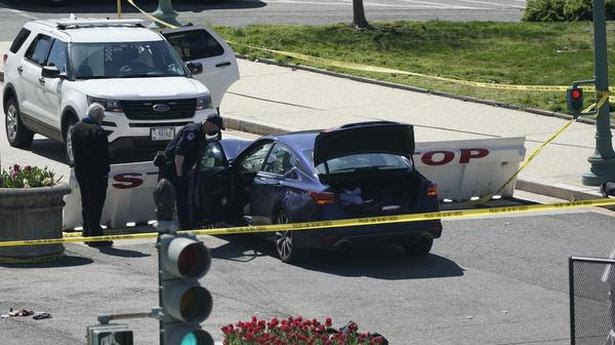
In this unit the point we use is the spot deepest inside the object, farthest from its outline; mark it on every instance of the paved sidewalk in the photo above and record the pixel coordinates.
(271, 97)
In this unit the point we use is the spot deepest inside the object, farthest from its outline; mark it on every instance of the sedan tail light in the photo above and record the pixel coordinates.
(432, 190)
(323, 198)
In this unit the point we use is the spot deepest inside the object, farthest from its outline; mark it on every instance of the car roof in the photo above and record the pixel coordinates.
(129, 32)
(298, 141)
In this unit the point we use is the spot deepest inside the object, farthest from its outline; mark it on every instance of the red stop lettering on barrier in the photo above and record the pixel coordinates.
(467, 154)
(127, 181)
(427, 158)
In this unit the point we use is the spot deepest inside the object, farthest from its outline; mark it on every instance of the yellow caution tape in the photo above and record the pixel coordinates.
(369, 68)
(604, 96)
(331, 224)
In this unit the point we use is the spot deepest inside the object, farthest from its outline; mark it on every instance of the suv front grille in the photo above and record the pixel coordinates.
(144, 110)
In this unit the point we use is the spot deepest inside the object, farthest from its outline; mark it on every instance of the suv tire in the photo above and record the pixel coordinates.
(68, 143)
(17, 133)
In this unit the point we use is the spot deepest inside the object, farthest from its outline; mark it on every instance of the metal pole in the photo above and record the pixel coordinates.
(603, 160)
(119, 9)
(166, 13)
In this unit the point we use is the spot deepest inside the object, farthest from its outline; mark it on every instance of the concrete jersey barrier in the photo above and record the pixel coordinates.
(462, 169)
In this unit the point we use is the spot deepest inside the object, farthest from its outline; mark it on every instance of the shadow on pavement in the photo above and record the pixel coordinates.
(65, 261)
(124, 253)
(382, 262)
(96, 6)
(240, 250)
(49, 149)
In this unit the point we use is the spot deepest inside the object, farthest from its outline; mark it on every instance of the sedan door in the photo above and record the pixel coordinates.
(202, 45)
(214, 185)
(269, 186)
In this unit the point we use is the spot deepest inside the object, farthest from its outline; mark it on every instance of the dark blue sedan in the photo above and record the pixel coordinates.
(356, 170)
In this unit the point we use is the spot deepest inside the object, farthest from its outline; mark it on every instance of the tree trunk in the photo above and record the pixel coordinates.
(358, 18)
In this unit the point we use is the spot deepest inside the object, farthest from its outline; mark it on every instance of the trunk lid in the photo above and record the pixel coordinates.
(366, 137)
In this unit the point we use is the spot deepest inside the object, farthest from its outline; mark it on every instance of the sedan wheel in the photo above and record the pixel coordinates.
(286, 243)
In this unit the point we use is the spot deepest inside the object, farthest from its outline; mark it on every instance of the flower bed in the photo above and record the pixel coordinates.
(31, 202)
(296, 331)
(27, 177)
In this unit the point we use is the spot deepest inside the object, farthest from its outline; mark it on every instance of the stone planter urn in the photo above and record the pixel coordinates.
(31, 214)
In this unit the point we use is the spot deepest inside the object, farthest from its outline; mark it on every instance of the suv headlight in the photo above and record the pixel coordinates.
(109, 104)
(203, 102)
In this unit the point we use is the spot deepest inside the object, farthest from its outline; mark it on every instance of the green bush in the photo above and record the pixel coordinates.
(563, 10)
(28, 177)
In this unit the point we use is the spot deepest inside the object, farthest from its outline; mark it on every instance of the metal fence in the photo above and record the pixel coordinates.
(592, 301)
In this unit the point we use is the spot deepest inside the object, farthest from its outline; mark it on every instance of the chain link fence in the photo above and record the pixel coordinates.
(592, 301)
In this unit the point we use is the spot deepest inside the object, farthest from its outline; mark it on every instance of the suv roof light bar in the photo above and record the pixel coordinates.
(84, 23)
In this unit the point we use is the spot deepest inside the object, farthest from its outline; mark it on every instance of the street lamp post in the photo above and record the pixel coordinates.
(603, 160)
(166, 13)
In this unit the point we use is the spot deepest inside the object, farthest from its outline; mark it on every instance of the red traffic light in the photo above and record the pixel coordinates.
(576, 93)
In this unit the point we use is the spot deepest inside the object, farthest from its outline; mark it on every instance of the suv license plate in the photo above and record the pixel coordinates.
(162, 133)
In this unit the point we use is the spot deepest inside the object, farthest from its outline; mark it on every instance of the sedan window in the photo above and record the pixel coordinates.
(280, 160)
(372, 161)
(253, 161)
(213, 157)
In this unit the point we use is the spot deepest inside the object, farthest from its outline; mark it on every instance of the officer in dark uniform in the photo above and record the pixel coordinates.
(182, 153)
(91, 159)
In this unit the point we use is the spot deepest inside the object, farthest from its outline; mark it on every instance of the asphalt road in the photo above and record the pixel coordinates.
(492, 281)
(13, 13)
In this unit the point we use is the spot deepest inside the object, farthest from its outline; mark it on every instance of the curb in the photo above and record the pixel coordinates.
(418, 89)
(559, 191)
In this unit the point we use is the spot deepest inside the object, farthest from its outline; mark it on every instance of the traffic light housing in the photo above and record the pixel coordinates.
(116, 334)
(183, 260)
(574, 98)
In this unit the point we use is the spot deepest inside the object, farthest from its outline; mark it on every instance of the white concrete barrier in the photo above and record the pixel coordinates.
(462, 169)
(467, 168)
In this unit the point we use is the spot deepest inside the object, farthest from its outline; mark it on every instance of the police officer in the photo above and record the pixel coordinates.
(182, 153)
(91, 159)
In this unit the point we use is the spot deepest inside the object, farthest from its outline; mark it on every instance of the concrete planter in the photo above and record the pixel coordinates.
(29, 214)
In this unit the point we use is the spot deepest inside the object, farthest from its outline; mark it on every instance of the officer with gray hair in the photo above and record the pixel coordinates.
(91, 159)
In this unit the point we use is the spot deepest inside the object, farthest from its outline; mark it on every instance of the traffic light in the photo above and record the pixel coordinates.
(184, 303)
(574, 98)
(114, 334)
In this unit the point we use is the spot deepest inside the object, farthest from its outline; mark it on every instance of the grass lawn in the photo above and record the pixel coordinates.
(506, 53)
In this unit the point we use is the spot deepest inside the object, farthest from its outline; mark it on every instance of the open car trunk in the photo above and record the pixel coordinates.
(378, 193)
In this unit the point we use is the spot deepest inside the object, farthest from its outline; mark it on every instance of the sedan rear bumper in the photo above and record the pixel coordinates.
(398, 233)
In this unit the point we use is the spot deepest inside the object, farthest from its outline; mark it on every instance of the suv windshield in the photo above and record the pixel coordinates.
(125, 60)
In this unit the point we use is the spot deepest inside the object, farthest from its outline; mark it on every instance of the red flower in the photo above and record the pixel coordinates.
(27, 168)
(328, 322)
(16, 168)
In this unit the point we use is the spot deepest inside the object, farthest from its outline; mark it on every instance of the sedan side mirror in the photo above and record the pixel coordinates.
(50, 72)
(195, 67)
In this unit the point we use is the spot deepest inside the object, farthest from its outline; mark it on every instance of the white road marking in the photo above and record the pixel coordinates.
(17, 12)
(371, 4)
(491, 3)
(441, 5)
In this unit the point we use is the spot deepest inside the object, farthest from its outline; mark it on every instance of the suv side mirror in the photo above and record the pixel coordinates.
(195, 67)
(50, 72)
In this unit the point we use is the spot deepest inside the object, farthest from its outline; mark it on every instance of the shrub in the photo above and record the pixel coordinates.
(296, 331)
(563, 10)
(28, 177)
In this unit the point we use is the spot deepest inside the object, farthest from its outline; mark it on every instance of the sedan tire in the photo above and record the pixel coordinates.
(418, 247)
(286, 243)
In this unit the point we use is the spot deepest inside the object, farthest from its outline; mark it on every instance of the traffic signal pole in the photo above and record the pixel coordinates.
(603, 160)
(166, 13)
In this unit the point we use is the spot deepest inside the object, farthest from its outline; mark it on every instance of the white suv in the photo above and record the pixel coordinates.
(56, 68)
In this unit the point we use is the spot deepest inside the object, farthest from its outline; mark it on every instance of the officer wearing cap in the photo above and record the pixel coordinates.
(182, 153)
(91, 158)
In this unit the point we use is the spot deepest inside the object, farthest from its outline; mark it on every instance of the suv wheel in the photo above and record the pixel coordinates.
(418, 246)
(286, 244)
(68, 142)
(17, 134)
